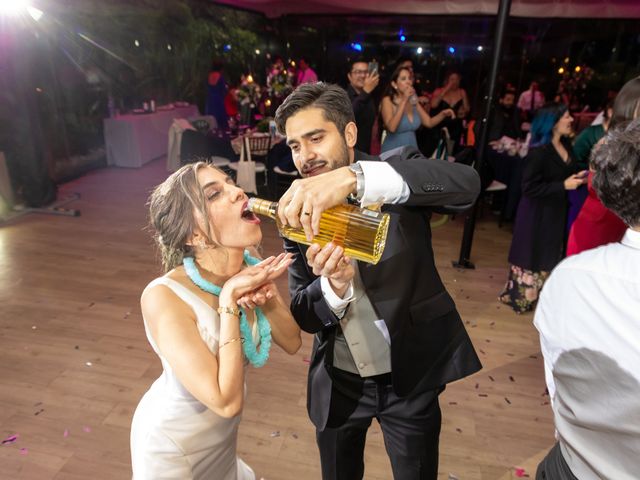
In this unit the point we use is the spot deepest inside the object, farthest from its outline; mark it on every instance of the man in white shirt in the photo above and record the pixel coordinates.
(588, 317)
(530, 101)
(305, 72)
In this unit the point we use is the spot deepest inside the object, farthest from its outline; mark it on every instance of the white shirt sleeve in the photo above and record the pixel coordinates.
(547, 323)
(336, 304)
(382, 184)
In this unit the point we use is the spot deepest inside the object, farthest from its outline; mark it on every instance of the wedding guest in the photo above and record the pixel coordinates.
(216, 93)
(590, 333)
(362, 83)
(539, 232)
(305, 73)
(402, 114)
(596, 225)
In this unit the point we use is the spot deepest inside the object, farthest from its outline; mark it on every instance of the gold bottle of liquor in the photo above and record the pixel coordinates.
(360, 231)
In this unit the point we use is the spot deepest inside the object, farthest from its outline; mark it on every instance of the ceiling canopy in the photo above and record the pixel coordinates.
(519, 8)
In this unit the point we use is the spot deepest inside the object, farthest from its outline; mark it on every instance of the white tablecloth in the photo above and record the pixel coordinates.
(133, 140)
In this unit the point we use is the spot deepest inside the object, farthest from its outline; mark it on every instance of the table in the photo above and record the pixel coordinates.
(133, 140)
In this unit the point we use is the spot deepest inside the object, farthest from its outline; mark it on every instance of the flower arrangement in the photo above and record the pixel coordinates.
(248, 92)
(279, 83)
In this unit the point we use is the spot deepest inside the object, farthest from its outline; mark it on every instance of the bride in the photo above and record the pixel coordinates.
(185, 426)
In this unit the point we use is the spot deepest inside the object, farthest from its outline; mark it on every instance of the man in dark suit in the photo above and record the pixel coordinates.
(388, 337)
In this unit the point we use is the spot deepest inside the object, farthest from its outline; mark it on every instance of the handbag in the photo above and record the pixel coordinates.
(246, 175)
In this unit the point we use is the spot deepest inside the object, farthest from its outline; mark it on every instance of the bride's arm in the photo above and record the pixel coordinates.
(284, 329)
(217, 382)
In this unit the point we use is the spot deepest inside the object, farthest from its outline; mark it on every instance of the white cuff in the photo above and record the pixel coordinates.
(382, 184)
(336, 304)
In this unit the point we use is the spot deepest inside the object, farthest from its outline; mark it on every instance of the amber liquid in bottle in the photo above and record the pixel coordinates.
(360, 231)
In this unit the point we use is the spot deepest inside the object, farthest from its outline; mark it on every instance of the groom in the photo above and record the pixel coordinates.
(388, 337)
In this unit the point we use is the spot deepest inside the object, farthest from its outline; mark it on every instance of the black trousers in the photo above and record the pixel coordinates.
(554, 466)
(410, 427)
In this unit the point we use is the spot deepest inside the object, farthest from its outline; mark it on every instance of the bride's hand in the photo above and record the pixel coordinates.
(258, 297)
(254, 286)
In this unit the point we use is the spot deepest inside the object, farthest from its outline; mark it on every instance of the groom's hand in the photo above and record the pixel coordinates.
(331, 262)
(303, 203)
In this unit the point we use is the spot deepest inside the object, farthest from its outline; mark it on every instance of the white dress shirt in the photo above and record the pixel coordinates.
(588, 317)
(382, 184)
(524, 102)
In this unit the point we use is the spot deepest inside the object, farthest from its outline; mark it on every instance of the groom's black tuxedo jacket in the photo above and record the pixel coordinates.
(429, 344)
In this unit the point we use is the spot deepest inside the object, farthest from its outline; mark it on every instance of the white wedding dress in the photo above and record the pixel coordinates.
(173, 435)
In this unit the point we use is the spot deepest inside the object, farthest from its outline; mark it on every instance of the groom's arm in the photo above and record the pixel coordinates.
(309, 306)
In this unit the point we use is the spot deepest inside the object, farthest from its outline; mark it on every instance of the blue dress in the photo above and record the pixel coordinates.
(405, 134)
(215, 103)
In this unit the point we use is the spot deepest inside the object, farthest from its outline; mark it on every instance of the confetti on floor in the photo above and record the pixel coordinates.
(86, 429)
(275, 434)
(511, 378)
(88, 364)
(507, 400)
(66, 433)
(10, 439)
(23, 451)
(520, 472)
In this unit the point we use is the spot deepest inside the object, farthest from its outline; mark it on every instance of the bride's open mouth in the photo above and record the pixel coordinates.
(248, 216)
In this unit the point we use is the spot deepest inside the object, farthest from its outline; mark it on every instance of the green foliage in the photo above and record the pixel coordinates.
(177, 43)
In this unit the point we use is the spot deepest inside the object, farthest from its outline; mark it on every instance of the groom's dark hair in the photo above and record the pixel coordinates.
(331, 99)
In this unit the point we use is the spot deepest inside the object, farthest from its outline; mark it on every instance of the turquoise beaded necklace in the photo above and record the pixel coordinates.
(255, 357)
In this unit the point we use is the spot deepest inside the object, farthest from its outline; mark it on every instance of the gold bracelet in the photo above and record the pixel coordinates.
(229, 310)
(231, 341)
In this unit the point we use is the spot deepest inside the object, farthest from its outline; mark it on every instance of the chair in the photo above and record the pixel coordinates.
(256, 147)
(494, 187)
(281, 170)
(204, 123)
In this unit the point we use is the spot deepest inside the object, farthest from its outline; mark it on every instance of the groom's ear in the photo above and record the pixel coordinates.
(351, 134)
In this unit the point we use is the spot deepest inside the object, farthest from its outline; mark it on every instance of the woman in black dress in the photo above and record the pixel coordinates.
(539, 233)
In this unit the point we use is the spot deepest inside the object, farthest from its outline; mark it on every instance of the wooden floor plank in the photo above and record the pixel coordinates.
(73, 348)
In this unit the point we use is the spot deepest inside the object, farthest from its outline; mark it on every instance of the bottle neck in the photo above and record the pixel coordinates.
(263, 207)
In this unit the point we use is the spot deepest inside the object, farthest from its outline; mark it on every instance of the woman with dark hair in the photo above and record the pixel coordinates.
(451, 95)
(214, 311)
(216, 93)
(596, 225)
(539, 231)
(401, 112)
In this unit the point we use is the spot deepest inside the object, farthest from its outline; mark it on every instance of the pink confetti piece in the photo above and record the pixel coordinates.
(23, 451)
(520, 472)
(10, 439)
(66, 433)
(86, 429)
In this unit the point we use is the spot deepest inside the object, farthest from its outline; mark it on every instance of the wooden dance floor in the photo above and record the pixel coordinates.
(74, 359)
